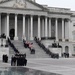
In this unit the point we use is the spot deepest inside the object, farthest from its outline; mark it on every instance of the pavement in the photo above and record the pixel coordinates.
(63, 66)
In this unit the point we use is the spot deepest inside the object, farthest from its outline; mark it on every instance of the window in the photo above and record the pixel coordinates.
(66, 49)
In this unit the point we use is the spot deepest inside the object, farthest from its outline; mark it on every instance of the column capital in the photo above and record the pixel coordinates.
(39, 16)
(56, 18)
(31, 15)
(63, 18)
(67, 19)
(16, 14)
(50, 18)
(46, 16)
(24, 14)
(8, 13)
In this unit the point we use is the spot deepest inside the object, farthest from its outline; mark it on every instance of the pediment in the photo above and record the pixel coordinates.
(26, 4)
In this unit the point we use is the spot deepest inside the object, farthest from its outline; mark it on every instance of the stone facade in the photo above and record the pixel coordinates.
(26, 19)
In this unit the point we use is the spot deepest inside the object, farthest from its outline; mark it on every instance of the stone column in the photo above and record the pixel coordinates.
(49, 27)
(0, 29)
(24, 33)
(31, 33)
(43, 28)
(7, 35)
(0, 23)
(56, 29)
(39, 27)
(28, 29)
(63, 30)
(16, 37)
(46, 33)
(69, 30)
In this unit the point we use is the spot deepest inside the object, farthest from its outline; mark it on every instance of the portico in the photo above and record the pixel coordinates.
(34, 25)
(30, 20)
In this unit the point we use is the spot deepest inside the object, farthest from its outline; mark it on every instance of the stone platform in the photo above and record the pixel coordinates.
(4, 51)
(56, 50)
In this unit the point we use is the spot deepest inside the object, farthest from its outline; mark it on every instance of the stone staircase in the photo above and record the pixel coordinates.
(39, 53)
(11, 52)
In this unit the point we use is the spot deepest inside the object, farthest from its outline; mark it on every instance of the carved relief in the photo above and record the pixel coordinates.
(20, 4)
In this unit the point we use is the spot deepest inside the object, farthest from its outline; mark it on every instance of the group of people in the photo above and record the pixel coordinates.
(3, 36)
(13, 46)
(29, 45)
(66, 55)
(55, 45)
(19, 60)
(3, 41)
(51, 54)
(5, 58)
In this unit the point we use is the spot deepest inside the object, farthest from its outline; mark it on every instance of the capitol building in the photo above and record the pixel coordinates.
(26, 19)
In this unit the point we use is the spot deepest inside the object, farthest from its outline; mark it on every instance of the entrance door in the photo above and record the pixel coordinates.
(12, 34)
(66, 49)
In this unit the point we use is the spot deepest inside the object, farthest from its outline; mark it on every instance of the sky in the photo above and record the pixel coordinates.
(58, 3)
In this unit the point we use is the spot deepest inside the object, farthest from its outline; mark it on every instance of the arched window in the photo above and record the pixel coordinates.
(66, 49)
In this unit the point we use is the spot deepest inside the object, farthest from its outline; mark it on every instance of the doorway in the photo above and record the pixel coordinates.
(12, 34)
(66, 49)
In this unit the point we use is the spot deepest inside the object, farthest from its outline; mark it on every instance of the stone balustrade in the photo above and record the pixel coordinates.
(63, 10)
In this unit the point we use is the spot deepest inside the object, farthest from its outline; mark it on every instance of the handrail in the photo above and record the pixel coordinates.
(13, 46)
(53, 55)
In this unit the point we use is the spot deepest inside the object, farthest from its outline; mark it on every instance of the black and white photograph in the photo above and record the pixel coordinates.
(37, 37)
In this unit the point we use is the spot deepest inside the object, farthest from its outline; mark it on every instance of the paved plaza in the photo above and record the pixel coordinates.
(63, 66)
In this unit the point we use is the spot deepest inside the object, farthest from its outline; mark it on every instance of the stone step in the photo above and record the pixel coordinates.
(39, 53)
